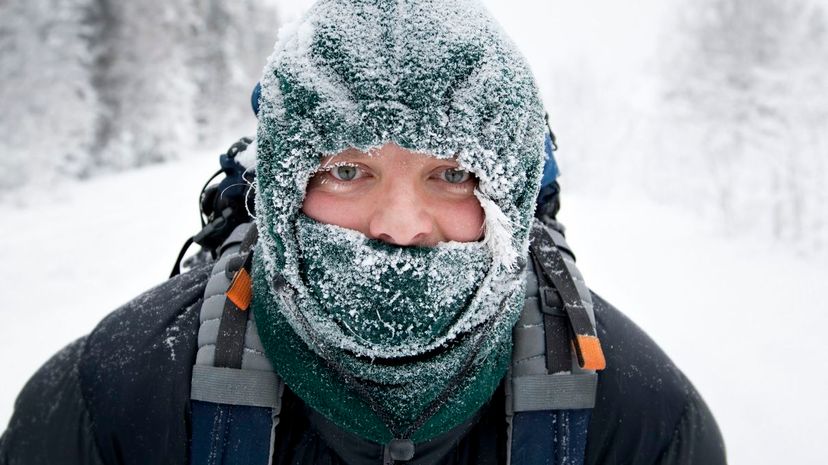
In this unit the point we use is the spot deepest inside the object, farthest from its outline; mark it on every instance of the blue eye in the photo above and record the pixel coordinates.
(455, 176)
(345, 172)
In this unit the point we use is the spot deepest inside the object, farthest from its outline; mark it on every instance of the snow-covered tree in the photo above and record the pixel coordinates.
(97, 85)
(745, 82)
(233, 40)
(49, 107)
(143, 80)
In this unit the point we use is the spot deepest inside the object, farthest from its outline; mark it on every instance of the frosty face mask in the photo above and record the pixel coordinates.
(388, 301)
(367, 334)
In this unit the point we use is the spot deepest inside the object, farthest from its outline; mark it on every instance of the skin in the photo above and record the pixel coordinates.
(397, 196)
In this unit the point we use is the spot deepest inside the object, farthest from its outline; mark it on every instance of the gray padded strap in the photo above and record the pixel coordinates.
(237, 387)
(253, 357)
(528, 353)
(235, 238)
(554, 392)
(530, 385)
(254, 363)
(560, 241)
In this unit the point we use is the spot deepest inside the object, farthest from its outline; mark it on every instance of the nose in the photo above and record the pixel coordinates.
(401, 217)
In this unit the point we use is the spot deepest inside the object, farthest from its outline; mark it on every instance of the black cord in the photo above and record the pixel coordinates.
(177, 267)
(201, 195)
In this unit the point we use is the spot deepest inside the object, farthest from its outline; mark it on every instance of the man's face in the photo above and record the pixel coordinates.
(396, 196)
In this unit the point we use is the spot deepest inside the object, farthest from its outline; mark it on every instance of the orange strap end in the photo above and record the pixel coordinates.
(591, 353)
(241, 290)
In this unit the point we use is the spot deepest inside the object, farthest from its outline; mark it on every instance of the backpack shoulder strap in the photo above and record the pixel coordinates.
(551, 388)
(235, 394)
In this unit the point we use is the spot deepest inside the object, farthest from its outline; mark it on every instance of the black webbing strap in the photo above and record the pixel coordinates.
(233, 325)
(555, 325)
(554, 269)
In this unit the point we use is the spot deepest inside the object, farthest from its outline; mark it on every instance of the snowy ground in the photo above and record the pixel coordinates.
(735, 314)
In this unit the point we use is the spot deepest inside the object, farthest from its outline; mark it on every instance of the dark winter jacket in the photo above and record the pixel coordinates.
(121, 396)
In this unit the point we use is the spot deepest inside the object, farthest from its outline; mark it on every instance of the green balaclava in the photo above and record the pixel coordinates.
(386, 341)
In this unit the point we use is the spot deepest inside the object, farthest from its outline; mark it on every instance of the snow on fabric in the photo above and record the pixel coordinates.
(384, 398)
(386, 301)
(432, 76)
(435, 77)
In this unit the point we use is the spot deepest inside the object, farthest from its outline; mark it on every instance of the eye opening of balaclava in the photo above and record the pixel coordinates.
(432, 76)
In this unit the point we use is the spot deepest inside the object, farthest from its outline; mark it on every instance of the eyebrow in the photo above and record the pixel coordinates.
(331, 160)
(356, 155)
(350, 153)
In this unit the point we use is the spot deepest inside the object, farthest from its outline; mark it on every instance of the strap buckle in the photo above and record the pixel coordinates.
(551, 302)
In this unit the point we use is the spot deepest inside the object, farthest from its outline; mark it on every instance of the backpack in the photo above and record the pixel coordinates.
(222, 207)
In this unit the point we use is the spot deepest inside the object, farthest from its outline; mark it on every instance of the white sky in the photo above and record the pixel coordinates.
(555, 34)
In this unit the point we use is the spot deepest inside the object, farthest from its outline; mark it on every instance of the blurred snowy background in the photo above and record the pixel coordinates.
(693, 143)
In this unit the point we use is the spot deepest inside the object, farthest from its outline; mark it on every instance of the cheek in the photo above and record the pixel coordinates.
(461, 221)
(329, 208)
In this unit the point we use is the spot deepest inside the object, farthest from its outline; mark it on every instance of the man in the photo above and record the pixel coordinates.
(388, 282)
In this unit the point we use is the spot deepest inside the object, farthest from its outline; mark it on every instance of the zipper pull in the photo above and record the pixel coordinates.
(398, 450)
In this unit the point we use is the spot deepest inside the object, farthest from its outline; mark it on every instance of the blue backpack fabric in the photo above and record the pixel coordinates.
(225, 434)
(549, 189)
(552, 437)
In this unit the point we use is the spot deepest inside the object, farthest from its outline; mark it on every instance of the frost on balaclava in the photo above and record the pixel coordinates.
(390, 341)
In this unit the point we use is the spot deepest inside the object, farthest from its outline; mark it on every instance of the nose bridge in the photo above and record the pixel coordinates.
(401, 215)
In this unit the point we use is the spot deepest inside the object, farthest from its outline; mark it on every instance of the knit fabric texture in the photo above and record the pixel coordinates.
(432, 76)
